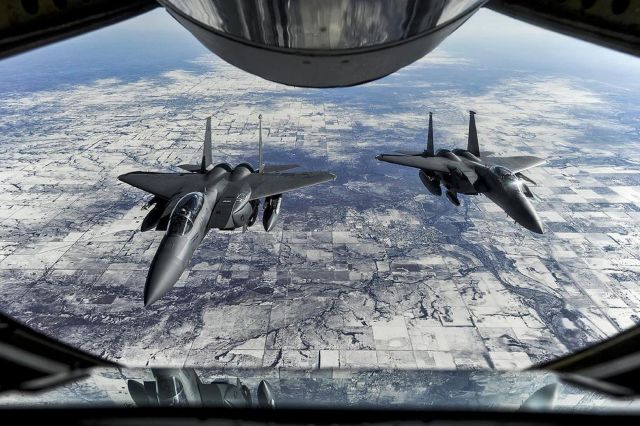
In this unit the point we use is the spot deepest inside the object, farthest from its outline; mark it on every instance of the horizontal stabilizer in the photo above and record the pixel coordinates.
(273, 168)
(190, 167)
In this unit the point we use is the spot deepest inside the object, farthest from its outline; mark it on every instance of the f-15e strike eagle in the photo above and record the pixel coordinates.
(464, 171)
(188, 205)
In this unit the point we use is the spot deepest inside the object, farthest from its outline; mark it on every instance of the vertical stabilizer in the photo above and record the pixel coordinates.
(472, 145)
(206, 153)
(430, 136)
(260, 160)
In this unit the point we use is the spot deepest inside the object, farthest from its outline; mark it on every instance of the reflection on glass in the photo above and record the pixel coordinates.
(171, 392)
(383, 389)
(184, 387)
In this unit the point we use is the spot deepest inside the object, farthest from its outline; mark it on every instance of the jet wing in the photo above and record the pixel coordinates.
(165, 185)
(265, 185)
(400, 151)
(273, 168)
(436, 164)
(190, 167)
(516, 164)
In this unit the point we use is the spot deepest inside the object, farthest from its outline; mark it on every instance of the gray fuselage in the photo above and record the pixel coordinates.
(472, 176)
(222, 204)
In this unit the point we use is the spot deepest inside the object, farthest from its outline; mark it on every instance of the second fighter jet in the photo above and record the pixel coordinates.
(464, 171)
(188, 205)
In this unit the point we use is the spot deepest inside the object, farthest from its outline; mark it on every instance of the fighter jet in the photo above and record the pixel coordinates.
(465, 171)
(188, 205)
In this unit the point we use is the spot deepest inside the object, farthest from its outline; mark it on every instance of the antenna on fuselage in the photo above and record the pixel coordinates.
(430, 136)
(260, 164)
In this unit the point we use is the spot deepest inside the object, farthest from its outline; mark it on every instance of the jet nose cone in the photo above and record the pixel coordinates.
(533, 224)
(526, 216)
(152, 294)
(379, 157)
(163, 275)
(537, 227)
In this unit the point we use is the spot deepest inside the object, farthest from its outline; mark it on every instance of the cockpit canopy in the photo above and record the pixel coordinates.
(503, 172)
(505, 175)
(185, 213)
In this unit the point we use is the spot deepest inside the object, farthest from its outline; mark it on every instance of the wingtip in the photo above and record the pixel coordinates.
(387, 157)
(329, 176)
